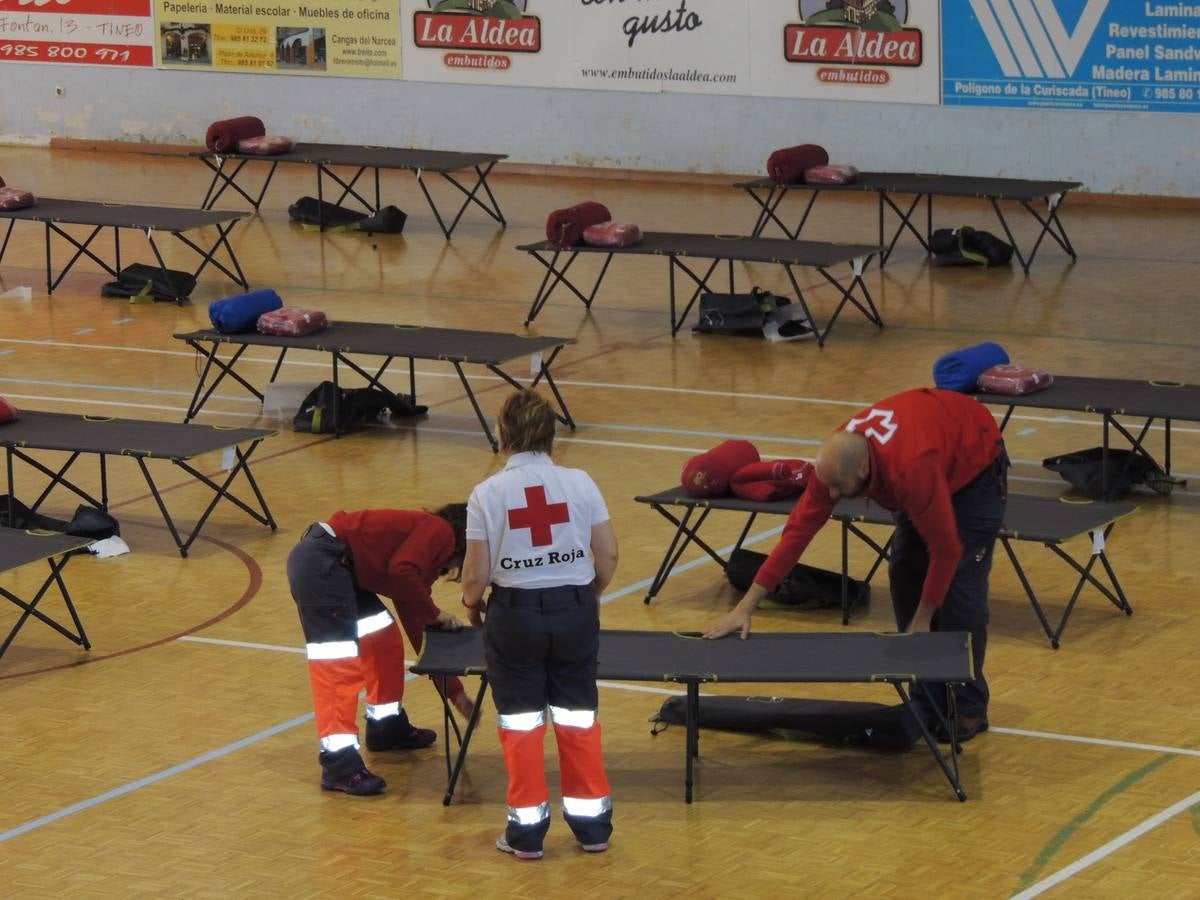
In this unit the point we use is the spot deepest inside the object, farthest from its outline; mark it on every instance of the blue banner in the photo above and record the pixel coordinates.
(1072, 54)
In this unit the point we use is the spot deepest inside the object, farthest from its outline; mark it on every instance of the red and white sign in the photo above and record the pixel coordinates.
(88, 32)
(855, 50)
(455, 31)
(853, 47)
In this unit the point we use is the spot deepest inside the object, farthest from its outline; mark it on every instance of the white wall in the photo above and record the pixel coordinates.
(1127, 153)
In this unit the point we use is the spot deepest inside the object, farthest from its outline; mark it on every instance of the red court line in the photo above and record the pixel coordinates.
(250, 563)
(252, 589)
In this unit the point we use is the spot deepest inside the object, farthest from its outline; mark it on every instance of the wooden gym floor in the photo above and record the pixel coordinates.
(178, 759)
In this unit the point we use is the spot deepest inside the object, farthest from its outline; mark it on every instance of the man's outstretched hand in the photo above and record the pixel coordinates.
(736, 619)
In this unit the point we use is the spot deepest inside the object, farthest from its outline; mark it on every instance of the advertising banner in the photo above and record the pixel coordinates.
(1072, 54)
(846, 50)
(91, 32)
(297, 37)
(699, 46)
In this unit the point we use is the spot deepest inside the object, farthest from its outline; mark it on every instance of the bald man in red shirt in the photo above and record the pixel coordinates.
(937, 459)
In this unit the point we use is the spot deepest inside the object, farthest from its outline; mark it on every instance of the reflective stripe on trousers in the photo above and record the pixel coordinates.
(586, 809)
(331, 650)
(332, 743)
(377, 711)
(529, 815)
(374, 622)
(526, 721)
(572, 718)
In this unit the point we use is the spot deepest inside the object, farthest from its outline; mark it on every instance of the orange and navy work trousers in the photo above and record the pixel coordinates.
(541, 660)
(351, 640)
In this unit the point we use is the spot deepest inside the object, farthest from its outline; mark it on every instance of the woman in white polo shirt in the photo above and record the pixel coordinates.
(540, 535)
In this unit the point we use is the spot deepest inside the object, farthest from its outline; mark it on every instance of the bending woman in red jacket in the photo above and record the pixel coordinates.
(336, 573)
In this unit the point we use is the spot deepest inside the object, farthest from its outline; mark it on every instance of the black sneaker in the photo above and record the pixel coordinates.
(345, 771)
(397, 733)
(362, 783)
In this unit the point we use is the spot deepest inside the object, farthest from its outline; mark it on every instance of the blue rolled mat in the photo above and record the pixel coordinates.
(241, 311)
(959, 370)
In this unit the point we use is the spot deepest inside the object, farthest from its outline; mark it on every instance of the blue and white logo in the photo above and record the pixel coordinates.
(1074, 54)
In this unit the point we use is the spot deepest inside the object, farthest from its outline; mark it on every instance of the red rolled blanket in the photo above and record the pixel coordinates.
(708, 474)
(565, 227)
(770, 479)
(787, 166)
(8, 412)
(223, 136)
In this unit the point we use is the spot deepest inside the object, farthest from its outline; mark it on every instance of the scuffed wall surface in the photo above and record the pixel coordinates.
(1128, 153)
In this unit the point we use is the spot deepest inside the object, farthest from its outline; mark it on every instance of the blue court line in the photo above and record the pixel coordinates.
(292, 723)
(152, 779)
(168, 773)
(683, 567)
(83, 331)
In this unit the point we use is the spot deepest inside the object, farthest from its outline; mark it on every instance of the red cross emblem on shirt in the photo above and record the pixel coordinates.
(538, 516)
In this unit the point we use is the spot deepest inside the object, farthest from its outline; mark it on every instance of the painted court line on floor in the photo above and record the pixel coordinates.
(1035, 890)
(1110, 848)
(1101, 742)
(249, 645)
(666, 389)
(132, 786)
(621, 686)
(562, 439)
(262, 735)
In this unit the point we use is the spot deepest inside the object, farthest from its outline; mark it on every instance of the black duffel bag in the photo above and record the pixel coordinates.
(968, 246)
(804, 587)
(1091, 471)
(311, 211)
(88, 521)
(354, 405)
(385, 220)
(737, 313)
(839, 721)
(140, 280)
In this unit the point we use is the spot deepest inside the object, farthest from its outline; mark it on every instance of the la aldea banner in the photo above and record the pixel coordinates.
(295, 37)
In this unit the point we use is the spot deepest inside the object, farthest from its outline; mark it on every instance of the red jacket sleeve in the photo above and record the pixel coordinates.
(927, 504)
(806, 519)
(414, 566)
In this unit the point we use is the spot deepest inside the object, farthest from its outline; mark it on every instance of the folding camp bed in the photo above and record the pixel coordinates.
(1109, 398)
(226, 167)
(768, 196)
(141, 440)
(900, 660)
(677, 246)
(490, 349)
(1044, 520)
(19, 548)
(150, 219)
